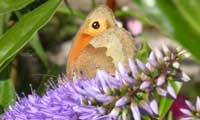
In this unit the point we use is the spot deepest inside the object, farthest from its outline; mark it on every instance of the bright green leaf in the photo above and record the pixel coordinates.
(177, 19)
(165, 103)
(6, 64)
(7, 92)
(20, 34)
(190, 11)
(3, 23)
(144, 52)
(10, 5)
(170, 117)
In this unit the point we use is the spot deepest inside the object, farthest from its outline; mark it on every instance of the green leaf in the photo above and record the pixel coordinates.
(20, 34)
(165, 103)
(144, 52)
(36, 45)
(6, 64)
(170, 117)
(7, 92)
(3, 23)
(179, 19)
(190, 11)
(11, 5)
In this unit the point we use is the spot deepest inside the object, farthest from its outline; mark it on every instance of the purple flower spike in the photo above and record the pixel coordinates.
(146, 107)
(102, 81)
(165, 49)
(86, 112)
(145, 85)
(141, 65)
(171, 91)
(150, 67)
(122, 101)
(107, 80)
(124, 74)
(186, 112)
(126, 95)
(115, 83)
(152, 59)
(122, 69)
(160, 80)
(154, 106)
(133, 68)
(198, 104)
(189, 104)
(185, 77)
(126, 115)
(135, 111)
(159, 56)
(193, 112)
(104, 98)
(114, 113)
(161, 92)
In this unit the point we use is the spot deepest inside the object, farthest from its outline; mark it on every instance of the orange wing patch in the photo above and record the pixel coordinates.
(99, 44)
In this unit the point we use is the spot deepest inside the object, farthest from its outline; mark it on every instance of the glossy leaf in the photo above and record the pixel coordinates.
(179, 19)
(20, 34)
(10, 5)
(3, 23)
(6, 64)
(4, 18)
(7, 92)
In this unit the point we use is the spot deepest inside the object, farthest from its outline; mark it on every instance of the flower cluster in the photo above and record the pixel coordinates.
(193, 112)
(129, 94)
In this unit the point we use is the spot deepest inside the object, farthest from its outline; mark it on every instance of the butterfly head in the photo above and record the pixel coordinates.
(98, 21)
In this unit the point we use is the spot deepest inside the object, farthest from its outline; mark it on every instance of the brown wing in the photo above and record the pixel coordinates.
(89, 60)
(119, 44)
(104, 52)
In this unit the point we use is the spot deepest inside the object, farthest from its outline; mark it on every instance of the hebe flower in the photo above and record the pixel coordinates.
(126, 95)
(193, 111)
(175, 107)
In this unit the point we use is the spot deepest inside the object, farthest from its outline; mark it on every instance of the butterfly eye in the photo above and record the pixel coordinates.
(95, 25)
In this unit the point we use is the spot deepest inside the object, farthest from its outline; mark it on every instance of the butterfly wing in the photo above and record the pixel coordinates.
(104, 52)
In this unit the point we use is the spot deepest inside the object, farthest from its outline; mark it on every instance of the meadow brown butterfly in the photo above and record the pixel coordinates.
(99, 44)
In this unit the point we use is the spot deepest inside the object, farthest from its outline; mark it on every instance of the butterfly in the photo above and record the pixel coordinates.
(99, 44)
